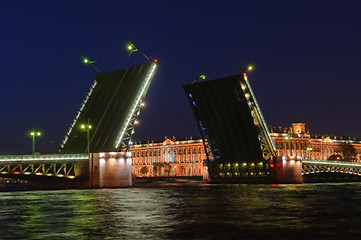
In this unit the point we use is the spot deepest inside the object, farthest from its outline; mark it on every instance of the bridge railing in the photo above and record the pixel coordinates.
(328, 162)
(43, 157)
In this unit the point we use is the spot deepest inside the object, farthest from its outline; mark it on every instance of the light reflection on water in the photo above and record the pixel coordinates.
(308, 211)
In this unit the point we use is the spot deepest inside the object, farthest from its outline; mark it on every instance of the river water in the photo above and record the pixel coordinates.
(305, 211)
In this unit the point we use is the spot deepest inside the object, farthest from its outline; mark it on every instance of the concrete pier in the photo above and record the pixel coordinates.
(111, 169)
(287, 170)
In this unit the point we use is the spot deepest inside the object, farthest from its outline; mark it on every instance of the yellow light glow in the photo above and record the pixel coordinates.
(130, 47)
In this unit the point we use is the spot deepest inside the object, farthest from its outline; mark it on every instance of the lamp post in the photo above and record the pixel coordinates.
(132, 48)
(308, 152)
(289, 138)
(33, 134)
(87, 61)
(200, 77)
(87, 127)
(245, 70)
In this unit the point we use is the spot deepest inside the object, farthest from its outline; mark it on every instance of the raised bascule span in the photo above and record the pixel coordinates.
(237, 141)
(111, 105)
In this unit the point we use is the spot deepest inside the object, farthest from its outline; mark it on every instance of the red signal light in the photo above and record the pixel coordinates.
(244, 74)
(156, 60)
(271, 165)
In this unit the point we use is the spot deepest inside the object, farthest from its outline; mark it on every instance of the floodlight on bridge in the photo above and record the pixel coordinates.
(200, 77)
(132, 48)
(87, 61)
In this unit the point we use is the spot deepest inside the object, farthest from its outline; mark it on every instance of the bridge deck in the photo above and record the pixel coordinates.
(44, 157)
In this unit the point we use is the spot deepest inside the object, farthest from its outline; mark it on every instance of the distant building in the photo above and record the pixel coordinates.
(168, 158)
(323, 146)
(184, 157)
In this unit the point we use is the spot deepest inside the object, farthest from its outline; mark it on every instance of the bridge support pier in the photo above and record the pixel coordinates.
(287, 170)
(112, 169)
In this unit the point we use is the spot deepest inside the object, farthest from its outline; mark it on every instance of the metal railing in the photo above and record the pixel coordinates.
(43, 157)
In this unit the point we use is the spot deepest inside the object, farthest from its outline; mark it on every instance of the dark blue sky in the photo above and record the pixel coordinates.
(307, 57)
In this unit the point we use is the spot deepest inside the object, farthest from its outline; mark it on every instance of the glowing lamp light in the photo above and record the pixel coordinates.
(244, 74)
(156, 60)
(130, 47)
(250, 67)
(271, 165)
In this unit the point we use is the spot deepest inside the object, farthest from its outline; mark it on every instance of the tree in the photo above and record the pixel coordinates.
(144, 171)
(348, 151)
(335, 157)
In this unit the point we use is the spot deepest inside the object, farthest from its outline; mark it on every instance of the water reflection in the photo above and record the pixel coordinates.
(313, 211)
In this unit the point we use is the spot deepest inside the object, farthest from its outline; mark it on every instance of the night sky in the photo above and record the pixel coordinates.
(307, 57)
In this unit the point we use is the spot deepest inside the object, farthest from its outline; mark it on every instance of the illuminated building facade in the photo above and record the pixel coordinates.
(184, 158)
(168, 158)
(296, 141)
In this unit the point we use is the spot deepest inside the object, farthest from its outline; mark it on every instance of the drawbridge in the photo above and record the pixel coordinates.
(111, 106)
(235, 135)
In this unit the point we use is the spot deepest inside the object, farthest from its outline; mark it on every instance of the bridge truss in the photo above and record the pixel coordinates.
(317, 166)
(62, 165)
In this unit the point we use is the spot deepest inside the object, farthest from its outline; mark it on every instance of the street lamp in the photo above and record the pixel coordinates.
(200, 77)
(308, 152)
(34, 134)
(132, 48)
(289, 138)
(87, 61)
(87, 127)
